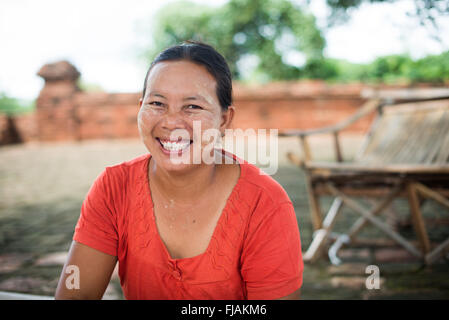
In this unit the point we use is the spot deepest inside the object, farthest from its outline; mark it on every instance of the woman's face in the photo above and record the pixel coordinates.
(179, 105)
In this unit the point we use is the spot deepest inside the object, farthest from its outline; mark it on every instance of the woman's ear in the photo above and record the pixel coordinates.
(226, 118)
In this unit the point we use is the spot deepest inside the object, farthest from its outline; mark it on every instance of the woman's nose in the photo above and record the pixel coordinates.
(173, 120)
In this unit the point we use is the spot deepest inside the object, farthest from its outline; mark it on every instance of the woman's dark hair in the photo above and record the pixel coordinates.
(205, 55)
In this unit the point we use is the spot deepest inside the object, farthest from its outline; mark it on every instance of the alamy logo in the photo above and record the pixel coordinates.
(261, 147)
(73, 280)
(373, 280)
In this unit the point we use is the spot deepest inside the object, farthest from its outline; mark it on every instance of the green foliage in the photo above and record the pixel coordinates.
(269, 31)
(320, 69)
(393, 69)
(264, 29)
(11, 106)
(425, 10)
(348, 72)
(433, 68)
(389, 68)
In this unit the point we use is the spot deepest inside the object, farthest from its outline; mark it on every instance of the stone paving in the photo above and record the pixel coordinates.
(42, 187)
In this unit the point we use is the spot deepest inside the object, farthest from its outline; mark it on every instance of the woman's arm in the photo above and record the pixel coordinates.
(86, 273)
(296, 295)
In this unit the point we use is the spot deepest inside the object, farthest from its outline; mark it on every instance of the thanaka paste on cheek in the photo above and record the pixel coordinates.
(203, 89)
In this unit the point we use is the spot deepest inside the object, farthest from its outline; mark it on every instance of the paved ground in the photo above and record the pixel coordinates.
(42, 187)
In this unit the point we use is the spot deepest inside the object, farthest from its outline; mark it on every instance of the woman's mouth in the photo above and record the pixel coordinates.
(170, 146)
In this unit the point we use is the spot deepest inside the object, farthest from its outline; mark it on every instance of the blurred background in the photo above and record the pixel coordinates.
(71, 73)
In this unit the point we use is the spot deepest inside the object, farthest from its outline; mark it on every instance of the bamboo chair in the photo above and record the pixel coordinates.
(405, 154)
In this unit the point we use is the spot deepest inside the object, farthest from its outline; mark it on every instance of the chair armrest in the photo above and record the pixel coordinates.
(367, 108)
(295, 159)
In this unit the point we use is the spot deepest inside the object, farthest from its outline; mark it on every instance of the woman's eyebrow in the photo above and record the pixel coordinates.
(157, 95)
(194, 97)
(197, 97)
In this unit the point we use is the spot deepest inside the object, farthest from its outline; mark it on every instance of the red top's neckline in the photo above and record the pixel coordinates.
(233, 194)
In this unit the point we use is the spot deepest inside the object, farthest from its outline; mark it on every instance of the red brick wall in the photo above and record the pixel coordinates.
(297, 105)
(64, 112)
(107, 115)
(86, 115)
(103, 115)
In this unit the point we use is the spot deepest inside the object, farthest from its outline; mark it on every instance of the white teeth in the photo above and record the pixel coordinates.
(174, 146)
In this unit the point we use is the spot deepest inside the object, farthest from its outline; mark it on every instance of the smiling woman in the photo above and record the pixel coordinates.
(192, 229)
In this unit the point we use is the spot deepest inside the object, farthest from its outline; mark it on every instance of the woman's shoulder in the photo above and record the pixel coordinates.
(129, 165)
(138, 161)
(267, 201)
(121, 173)
(261, 186)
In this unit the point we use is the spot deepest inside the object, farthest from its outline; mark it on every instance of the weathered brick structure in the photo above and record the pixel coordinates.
(57, 118)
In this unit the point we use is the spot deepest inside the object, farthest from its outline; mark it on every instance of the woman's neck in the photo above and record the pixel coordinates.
(186, 187)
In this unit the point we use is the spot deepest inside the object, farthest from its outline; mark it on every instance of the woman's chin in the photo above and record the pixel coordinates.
(176, 162)
(175, 168)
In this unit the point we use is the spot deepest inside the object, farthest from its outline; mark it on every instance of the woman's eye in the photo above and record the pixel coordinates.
(156, 103)
(194, 106)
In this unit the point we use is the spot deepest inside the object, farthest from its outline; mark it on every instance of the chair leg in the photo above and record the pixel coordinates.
(417, 219)
(377, 209)
(333, 250)
(322, 234)
(437, 252)
(314, 203)
(392, 216)
(442, 248)
(375, 221)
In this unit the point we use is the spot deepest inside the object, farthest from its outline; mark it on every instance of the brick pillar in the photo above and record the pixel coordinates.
(55, 107)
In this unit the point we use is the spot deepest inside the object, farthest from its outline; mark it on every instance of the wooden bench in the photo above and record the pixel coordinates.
(405, 154)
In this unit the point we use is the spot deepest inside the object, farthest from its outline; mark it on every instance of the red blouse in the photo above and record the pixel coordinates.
(254, 252)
